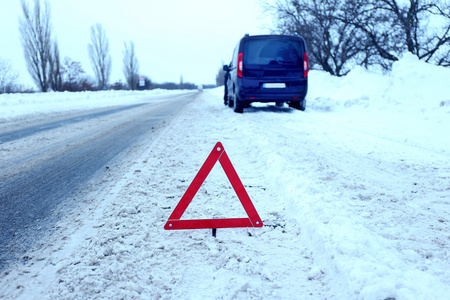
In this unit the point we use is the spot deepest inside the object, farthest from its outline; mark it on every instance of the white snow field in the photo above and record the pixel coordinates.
(354, 194)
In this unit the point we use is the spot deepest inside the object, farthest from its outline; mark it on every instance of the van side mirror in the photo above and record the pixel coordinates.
(226, 68)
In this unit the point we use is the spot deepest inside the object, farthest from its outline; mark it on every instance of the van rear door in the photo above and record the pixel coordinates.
(273, 58)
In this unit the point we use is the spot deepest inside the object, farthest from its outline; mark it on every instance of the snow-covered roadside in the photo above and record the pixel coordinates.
(116, 246)
(355, 194)
(13, 105)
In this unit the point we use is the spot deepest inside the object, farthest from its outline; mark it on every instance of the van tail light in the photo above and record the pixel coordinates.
(305, 65)
(240, 65)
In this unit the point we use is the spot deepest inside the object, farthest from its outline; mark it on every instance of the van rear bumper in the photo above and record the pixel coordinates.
(252, 90)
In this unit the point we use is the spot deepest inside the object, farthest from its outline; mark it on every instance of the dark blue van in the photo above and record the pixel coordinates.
(267, 68)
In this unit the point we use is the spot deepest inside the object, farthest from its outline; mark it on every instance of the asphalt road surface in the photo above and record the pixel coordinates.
(45, 163)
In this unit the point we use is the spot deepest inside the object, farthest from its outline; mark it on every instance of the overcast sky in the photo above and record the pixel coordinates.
(173, 38)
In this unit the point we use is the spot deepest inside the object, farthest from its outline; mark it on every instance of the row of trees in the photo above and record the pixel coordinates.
(149, 85)
(44, 63)
(43, 58)
(343, 33)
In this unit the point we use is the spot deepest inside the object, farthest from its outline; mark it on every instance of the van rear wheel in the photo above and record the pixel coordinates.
(230, 102)
(300, 105)
(238, 105)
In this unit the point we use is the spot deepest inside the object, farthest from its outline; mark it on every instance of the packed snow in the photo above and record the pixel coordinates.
(354, 194)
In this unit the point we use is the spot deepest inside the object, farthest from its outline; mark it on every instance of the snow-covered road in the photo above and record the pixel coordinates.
(354, 194)
(66, 152)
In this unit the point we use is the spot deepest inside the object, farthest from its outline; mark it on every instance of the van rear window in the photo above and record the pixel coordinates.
(273, 52)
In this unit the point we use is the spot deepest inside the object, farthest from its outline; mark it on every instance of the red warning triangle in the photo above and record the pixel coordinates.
(217, 154)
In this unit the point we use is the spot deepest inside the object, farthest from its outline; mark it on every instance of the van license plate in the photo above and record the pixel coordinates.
(274, 85)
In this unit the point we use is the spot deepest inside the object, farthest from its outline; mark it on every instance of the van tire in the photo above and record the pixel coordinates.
(238, 106)
(230, 102)
(300, 105)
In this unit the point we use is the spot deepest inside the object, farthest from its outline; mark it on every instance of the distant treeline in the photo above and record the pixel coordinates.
(149, 85)
(52, 73)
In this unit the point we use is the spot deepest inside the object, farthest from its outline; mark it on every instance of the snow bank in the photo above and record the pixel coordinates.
(418, 84)
(412, 85)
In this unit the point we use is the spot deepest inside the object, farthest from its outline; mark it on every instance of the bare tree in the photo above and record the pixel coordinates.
(72, 70)
(220, 76)
(130, 65)
(55, 71)
(393, 26)
(7, 77)
(99, 55)
(36, 30)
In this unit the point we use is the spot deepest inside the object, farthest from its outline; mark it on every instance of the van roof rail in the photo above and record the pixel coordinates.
(247, 34)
